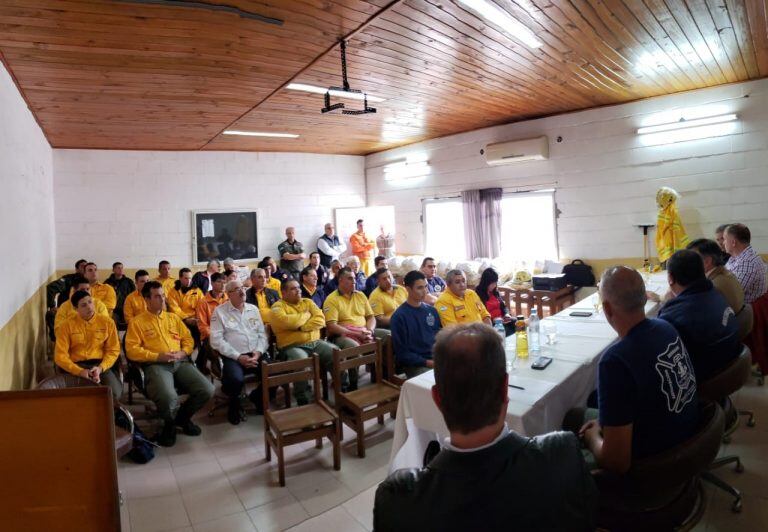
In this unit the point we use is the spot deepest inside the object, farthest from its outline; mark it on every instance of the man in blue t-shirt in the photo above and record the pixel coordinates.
(414, 326)
(646, 384)
(435, 284)
(702, 317)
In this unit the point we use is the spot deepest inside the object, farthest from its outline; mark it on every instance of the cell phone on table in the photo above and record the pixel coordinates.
(541, 362)
(580, 313)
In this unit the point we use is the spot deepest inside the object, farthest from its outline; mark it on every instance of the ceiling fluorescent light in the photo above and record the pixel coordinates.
(683, 123)
(498, 17)
(261, 134)
(338, 94)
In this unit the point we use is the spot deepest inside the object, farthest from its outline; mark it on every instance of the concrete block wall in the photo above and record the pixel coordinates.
(135, 206)
(605, 175)
(27, 235)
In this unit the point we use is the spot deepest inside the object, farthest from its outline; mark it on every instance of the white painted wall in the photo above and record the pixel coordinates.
(26, 202)
(135, 206)
(606, 177)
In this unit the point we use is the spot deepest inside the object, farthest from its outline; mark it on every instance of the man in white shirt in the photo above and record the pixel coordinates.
(238, 334)
(330, 246)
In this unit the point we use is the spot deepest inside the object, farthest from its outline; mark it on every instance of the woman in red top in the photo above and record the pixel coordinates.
(488, 291)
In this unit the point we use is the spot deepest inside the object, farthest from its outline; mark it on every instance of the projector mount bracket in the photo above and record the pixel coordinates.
(329, 108)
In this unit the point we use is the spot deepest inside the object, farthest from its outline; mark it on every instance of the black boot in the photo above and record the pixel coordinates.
(233, 411)
(167, 436)
(184, 421)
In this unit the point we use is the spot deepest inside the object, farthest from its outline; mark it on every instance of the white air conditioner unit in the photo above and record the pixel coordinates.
(517, 150)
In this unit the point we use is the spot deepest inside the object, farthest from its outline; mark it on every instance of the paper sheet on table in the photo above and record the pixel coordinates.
(568, 326)
(576, 349)
(533, 392)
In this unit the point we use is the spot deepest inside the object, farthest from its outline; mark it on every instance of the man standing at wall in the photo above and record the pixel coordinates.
(329, 246)
(291, 253)
(361, 247)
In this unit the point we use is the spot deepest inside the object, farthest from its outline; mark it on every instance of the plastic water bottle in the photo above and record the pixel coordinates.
(533, 333)
(498, 325)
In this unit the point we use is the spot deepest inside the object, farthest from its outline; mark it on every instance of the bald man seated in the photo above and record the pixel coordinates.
(646, 383)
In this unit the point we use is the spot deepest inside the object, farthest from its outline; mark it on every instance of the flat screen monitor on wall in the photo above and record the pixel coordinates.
(222, 234)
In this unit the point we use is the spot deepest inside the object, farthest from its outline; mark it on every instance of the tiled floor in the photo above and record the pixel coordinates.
(221, 482)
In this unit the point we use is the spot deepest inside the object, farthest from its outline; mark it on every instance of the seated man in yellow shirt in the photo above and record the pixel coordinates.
(134, 302)
(349, 318)
(161, 342)
(183, 300)
(459, 305)
(67, 311)
(296, 323)
(164, 277)
(261, 295)
(87, 344)
(103, 292)
(386, 297)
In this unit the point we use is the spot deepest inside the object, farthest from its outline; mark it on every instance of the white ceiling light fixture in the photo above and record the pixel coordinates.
(338, 94)
(508, 24)
(688, 123)
(261, 134)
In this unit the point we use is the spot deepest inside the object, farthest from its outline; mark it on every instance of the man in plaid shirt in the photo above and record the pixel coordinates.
(745, 263)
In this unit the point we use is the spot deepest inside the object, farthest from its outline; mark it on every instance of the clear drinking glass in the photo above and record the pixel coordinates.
(549, 328)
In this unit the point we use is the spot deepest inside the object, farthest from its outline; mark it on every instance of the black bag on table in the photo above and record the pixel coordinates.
(577, 273)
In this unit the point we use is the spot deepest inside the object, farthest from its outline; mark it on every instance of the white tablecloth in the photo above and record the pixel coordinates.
(548, 393)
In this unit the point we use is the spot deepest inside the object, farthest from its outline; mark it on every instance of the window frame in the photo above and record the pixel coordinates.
(551, 191)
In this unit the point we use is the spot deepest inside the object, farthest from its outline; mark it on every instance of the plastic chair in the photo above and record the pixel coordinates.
(664, 491)
(718, 389)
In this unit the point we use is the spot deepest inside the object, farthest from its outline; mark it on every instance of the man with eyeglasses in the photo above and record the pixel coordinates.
(238, 334)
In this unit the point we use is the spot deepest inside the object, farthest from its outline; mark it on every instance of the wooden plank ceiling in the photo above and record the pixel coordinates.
(115, 74)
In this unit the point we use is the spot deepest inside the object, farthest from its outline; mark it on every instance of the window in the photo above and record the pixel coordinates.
(444, 229)
(528, 231)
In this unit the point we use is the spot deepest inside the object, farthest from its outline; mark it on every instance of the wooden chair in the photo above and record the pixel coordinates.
(389, 362)
(302, 423)
(373, 401)
(220, 400)
(507, 294)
